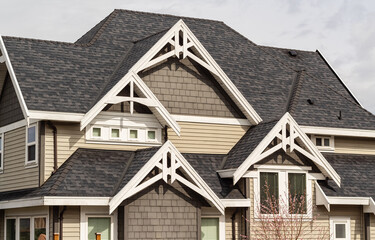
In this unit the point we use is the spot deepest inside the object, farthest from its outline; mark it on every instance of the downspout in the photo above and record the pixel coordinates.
(61, 222)
(165, 133)
(367, 226)
(54, 131)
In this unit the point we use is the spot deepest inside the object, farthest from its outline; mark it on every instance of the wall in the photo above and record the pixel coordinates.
(10, 109)
(162, 211)
(184, 88)
(206, 138)
(71, 223)
(372, 226)
(355, 145)
(15, 176)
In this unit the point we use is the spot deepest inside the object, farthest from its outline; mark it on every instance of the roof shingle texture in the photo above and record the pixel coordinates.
(357, 174)
(67, 77)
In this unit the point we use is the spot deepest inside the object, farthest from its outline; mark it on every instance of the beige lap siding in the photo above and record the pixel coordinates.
(15, 176)
(69, 138)
(71, 223)
(355, 145)
(372, 226)
(206, 138)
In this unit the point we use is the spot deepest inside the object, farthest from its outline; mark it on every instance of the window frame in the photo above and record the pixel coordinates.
(92, 132)
(32, 224)
(333, 220)
(133, 139)
(32, 163)
(119, 133)
(283, 187)
(221, 224)
(2, 153)
(156, 136)
(93, 212)
(323, 148)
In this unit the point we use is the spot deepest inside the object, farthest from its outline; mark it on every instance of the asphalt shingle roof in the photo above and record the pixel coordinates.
(71, 77)
(357, 174)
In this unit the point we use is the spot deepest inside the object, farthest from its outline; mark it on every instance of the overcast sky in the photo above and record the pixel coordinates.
(343, 31)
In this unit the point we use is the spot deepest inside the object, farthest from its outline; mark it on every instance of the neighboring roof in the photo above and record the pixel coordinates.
(67, 77)
(246, 145)
(357, 175)
(207, 165)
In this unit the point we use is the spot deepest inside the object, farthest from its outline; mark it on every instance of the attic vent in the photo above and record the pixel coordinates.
(292, 53)
(310, 101)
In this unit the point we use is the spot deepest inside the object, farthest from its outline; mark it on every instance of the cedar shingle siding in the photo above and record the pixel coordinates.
(10, 109)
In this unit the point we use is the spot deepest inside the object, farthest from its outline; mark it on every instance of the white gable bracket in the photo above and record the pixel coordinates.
(287, 125)
(169, 174)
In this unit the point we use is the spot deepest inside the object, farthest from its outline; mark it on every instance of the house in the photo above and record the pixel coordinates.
(155, 126)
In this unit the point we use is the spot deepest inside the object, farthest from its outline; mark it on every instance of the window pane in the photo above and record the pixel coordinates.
(31, 134)
(133, 134)
(31, 153)
(318, 141)
(115, 133)
(326, 142)
(340, 230)
(99, 225)
(1, 144)
(25, 229)
(11, 229)
(151, 135)
(39, 228)
(96, 132)
(297, 193)
(269, 192)
(210, 228)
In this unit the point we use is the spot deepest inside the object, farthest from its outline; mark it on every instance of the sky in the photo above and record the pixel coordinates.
(342, 30)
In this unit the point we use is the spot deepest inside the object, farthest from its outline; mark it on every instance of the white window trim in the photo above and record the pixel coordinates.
(115, 138)
(221, 224)
(283, 188)
(323, 148)
(339, 219)
(92, 132)
(133, 139)
(34, 163)
(156, 135)
(87, 212)
(2, 153)
(31, 217)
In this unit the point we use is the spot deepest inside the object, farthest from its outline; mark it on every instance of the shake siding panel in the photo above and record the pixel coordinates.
(355, 145)
(15, 175)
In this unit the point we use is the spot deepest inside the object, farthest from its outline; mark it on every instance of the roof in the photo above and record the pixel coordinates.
(246, 145)
(357, 175)
(103, 173)
(71, 77)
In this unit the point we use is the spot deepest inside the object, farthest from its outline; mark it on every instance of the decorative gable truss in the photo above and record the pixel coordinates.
(290, 138)
(182, 43)
(168, 164)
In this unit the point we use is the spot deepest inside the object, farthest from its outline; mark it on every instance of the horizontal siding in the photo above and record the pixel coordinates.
(372, 226)
(69, 138)
(15, 175)
(206, 138)
(355, 145)
(71, 223)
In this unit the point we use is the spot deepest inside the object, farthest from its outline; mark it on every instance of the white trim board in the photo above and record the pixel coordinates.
(13, 126)
(348, 132)
(160, 160)
(212, 120)
(236, 202)
(55, 116)
(279, 131)
(13, 77)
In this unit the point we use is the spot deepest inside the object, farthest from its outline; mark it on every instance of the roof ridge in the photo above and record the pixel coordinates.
(294, 92)
(150, 36)
(282, 48)
(39, 40)
(114, 191)
(167, 15)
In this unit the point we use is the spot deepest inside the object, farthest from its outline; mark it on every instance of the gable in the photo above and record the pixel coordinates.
(184, 87)
(10, 109)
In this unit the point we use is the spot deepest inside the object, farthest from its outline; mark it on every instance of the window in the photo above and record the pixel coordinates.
(210, 228)
(133, 134)
(1, 152)
(340, 228)
(96, 132)
(269, 195)
(151, 135)
(115, 133)
(99, 226)
(26, 228)
(325, 143)
(31, 145)
(297, 192)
